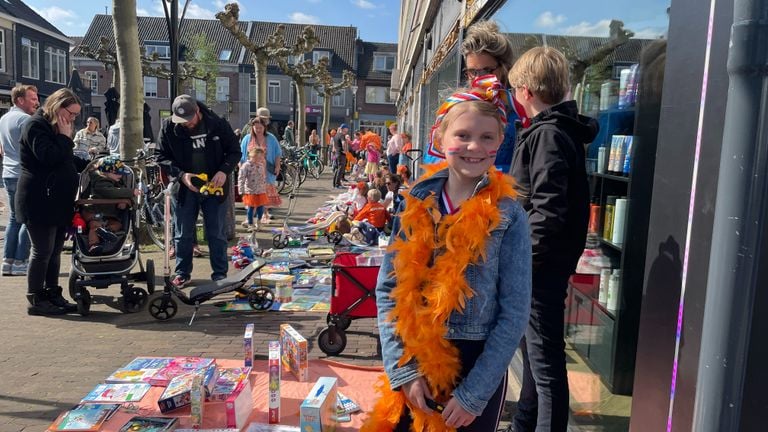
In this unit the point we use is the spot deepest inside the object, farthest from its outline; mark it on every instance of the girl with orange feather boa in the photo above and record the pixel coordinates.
(454, 290)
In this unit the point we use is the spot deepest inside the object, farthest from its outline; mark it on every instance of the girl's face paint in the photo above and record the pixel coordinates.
(453, 150)
(492, 152)
(469, 141)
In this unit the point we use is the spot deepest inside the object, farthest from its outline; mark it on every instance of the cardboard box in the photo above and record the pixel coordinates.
(178, 394)
(318, 411)
(248, 345)
(294, 352)
(274, 382)
(239, 406)
(230, 381)
(197, 401)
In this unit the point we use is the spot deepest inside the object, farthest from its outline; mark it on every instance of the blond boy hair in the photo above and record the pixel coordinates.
(544, 71)
(374, 195)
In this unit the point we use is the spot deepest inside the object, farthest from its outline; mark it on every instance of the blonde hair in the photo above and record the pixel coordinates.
(544, 71)
(374, 195)
(20, 91)
(255, 151)
(485, 37)
(480, 107)
(61, 98)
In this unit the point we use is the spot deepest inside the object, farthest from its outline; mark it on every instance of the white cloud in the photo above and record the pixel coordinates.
(142, 12)
(584, 28)
(548, 19)
(649, 33)
(55, 14)
(363, 4)
(221, 3)
(195, 11)
(302, 18)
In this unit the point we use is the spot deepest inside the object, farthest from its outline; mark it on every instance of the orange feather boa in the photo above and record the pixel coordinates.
(425, 296)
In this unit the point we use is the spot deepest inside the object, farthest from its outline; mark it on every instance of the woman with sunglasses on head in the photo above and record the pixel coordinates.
(46, 194)
(90, 141)
(487, 51)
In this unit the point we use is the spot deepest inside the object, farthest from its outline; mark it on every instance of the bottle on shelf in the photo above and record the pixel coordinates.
(619, 219)
(610, 202)
(594, 218)
(605, 280)
(601, 153)
(613, 290)
(627, 155)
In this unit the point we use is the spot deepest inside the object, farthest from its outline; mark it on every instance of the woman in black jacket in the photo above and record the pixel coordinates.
(46, 195)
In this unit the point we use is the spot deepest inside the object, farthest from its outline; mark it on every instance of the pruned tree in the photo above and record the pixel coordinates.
(127, 62)
(325, 85)
(275, 49)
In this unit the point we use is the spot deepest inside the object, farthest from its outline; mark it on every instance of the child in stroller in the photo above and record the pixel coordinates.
(103, 220)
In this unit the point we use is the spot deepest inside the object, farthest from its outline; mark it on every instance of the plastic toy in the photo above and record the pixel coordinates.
(209, 188)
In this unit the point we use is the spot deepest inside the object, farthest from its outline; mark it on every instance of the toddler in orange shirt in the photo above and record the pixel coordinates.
(374, 212)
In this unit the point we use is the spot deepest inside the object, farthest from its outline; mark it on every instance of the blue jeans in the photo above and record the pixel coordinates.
(392, 160)
(16, 236)
(249, 214)
(185, 232)
(543, 403)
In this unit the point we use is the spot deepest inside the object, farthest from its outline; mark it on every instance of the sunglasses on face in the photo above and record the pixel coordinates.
(474, 73)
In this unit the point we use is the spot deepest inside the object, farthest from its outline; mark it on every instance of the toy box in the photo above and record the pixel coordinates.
(274, 382)
(180, 366)
(239, 406)
(178, 394)
(230, 380)
(318, 411)
(294, 352)
(197, 401)
(248, 345)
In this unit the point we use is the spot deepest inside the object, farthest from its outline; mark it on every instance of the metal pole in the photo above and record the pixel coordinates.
(740, 215)
(174, 42)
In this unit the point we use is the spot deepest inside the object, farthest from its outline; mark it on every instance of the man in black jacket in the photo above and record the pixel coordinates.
(195, 141)
(340, 150)
(549, 167)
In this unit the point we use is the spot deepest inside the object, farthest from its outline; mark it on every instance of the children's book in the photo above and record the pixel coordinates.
(150, 424)
(179, 366)
(230, 380)
(178, 392)
(117, 393)
(345, 405)
(139, 370)
(84, 417)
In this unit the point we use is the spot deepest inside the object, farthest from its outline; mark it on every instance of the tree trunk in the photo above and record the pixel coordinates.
(327, 115)
(115, 76)
(301, 115)
(131, 93)
(261, 81)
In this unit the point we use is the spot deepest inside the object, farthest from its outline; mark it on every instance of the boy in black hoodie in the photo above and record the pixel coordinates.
(549, 167)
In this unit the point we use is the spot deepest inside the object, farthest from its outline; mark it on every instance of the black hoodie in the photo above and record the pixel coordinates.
(549, 167)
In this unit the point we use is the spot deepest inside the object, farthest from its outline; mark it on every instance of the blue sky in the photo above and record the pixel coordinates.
(376, 20)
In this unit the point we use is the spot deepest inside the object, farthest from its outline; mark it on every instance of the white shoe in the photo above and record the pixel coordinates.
(19, 269)
(7, 268)
(246, 225)
(257, 226)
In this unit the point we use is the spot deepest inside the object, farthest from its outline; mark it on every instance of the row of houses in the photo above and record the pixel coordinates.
(33, 51)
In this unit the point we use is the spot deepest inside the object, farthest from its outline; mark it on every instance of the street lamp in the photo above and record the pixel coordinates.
(354, 107)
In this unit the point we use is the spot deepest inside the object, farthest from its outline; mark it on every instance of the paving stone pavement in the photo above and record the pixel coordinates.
(48, 364)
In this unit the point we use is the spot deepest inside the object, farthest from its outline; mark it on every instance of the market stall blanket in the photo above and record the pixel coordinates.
(315, 299)
(355, 382)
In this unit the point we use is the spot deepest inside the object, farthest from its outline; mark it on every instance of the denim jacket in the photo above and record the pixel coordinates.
(497, 313)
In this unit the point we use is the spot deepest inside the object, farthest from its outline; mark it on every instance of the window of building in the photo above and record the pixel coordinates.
(377, 95)
(224, 55)
(222, 89)
(295, 59)
(92, 81)
(30, 58)
(339, 100)
(55, 65)
(273, 91)
(163, 50)
(383, 62)
(2, 50)
(317, 55)
(150, 87)
(201, 88)
(315, 98)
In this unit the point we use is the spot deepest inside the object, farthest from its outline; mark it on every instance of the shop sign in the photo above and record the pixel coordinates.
(311, 109)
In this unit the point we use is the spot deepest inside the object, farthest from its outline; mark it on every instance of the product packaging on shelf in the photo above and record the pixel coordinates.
(610, 202)
(619, 219)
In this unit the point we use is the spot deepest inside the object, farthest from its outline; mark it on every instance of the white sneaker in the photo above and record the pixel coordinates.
(19, 269)
(257, 226)
(7, 269)
(245, 224)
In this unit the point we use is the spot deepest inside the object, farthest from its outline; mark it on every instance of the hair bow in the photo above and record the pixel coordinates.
(484, 88)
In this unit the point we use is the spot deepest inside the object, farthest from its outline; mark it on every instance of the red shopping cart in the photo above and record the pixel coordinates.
(353, 296)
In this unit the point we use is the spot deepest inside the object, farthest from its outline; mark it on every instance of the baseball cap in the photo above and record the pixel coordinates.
(184, 108)
(263, 113)
(343, 126)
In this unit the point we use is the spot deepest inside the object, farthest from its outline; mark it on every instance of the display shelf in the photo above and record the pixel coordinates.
(611, 244)
(595, 302)
(614, 177)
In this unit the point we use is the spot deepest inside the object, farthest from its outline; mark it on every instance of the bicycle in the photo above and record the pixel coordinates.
(151, 203)
(310, 163)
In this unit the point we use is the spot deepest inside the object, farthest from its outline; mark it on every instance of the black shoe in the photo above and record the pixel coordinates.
(45, 307)
(96, 249)
(106, 235)
(55, 296)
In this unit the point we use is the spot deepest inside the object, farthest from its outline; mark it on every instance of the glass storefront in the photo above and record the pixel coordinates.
(617, 53)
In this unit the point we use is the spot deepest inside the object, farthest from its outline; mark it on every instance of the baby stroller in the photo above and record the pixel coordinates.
(327, 228)
(353, 296)
(119, 255)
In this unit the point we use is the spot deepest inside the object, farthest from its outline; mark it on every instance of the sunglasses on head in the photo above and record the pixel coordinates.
(474, 73)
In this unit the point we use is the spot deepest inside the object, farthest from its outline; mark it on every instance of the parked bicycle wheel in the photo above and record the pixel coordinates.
(315, 168)
(152, 213)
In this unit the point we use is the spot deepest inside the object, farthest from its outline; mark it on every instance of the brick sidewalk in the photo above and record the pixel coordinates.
(49, 364)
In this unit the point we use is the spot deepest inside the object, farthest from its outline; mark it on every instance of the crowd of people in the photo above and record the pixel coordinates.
(478, 260)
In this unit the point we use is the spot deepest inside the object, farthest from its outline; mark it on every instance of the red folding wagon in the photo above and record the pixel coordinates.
(353, 296)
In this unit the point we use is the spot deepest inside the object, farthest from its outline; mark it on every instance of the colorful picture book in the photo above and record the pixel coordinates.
(139, 370)
(178, 392)
(84, 417)
(179, 366)
(345, 405)
(117, 393)
(150, 424)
